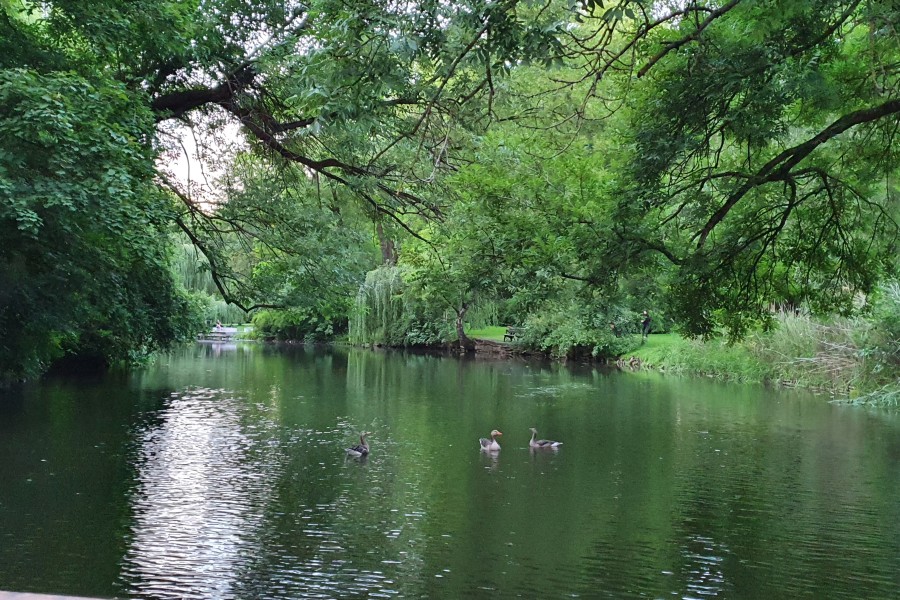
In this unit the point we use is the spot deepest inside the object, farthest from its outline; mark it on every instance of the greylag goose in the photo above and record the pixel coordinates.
(491, 444)
(542, 443)
(361, 449)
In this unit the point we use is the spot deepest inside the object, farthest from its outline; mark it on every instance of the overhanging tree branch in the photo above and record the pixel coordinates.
(779, 167)
(177, 104)
(215, 270)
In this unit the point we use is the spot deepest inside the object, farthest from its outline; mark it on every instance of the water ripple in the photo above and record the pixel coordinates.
(197, 507)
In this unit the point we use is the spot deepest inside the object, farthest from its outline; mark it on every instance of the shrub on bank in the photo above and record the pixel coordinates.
(881, 350)
(578, 331)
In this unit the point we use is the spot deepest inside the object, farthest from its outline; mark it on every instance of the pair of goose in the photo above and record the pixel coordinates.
(491, 445)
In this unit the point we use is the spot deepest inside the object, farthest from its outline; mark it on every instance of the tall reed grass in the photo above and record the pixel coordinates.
(854, 360)
(810, 353)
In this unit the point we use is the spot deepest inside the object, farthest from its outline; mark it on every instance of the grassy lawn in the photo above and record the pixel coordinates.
(714, 357)
(657, 346)
(494, 334)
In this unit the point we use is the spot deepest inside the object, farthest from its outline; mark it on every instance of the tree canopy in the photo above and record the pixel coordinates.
(763, 155)
(719, 155)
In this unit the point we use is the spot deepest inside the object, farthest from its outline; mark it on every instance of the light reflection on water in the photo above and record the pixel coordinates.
(236, 484)
(207, 478)
(200, 498)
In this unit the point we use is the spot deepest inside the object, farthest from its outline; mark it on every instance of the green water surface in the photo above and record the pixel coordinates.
(220, 472)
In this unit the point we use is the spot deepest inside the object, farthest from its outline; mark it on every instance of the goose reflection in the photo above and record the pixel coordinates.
(491, 460)
(360, 460)
(535, 452)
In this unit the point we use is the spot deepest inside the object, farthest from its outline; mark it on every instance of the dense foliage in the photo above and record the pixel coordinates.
(81, 263)
(568, 164)
(87, 90)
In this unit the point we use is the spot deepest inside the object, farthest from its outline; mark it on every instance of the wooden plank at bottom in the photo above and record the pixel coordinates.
(30, 596)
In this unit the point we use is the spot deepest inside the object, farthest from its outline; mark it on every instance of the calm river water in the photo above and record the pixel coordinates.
(219, 472)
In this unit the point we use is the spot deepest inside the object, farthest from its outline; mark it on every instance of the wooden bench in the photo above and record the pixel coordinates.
(511, 333)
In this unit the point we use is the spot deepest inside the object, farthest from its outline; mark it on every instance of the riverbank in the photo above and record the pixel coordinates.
(841, 359)
(845, 360)
(799, 354)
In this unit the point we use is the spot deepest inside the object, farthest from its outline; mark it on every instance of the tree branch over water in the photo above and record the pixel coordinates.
(779, 168)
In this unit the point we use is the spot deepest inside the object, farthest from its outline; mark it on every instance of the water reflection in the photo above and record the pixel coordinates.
(491, 459)
(704, 574)
(537, 452)
(357, 459)
(202, 488)
(216, 349)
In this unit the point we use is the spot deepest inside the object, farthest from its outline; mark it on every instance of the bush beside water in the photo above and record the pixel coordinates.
(296, 324)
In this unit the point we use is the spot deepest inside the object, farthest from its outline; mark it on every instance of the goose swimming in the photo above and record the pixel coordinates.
(361, 449)
(542, 443)
(491, 444)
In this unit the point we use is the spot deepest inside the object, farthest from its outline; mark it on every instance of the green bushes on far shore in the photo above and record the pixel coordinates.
(855, 359)
(297, 324)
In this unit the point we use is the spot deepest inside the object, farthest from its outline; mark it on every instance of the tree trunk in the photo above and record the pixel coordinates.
(464, 342)
(388, 249)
